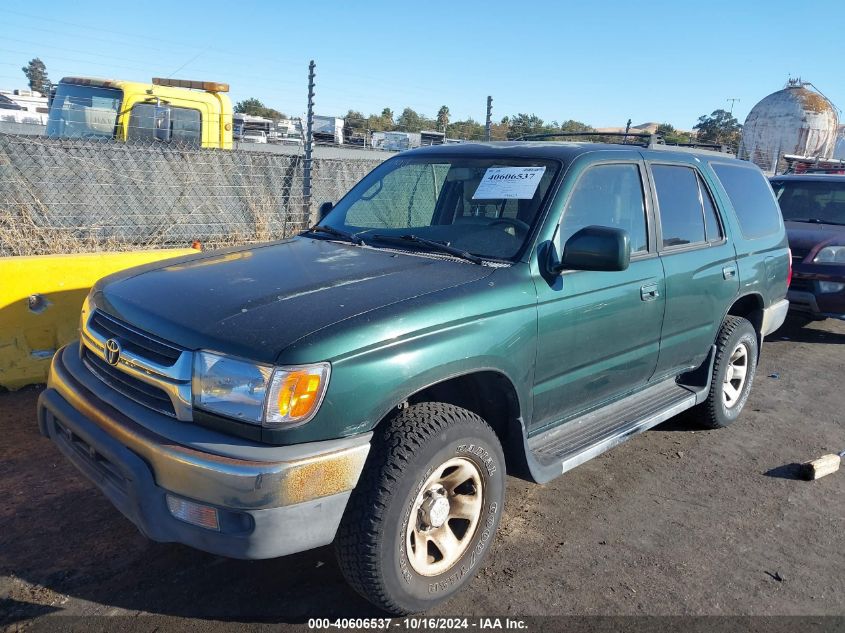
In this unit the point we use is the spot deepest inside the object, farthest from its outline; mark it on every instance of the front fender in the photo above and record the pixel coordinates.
(367, 384)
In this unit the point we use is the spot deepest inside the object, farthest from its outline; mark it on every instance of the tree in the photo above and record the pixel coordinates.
(720, 127)
(499, 131)
(468, 130)
(355, 124)
(671, 135)
(36, 74)
(523, 124)
(381, 122)
(442, 118)
(575, 126)
(666, 129)
(254, 107)
(411, 121)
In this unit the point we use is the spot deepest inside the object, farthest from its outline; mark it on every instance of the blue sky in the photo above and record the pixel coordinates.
(600, 62)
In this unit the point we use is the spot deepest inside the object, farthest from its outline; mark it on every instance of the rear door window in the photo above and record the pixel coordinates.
(680, 203)
(752, 199)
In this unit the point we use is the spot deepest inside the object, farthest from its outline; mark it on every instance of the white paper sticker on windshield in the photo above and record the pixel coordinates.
(511, 183)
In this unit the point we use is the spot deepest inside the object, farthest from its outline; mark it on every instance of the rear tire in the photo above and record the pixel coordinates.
(733, 372)
(425, 510)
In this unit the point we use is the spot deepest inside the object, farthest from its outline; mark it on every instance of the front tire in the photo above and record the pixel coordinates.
(733, 372)
(425, 510)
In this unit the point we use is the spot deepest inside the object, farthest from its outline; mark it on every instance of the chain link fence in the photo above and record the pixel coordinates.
(86, 195)
(769, 160)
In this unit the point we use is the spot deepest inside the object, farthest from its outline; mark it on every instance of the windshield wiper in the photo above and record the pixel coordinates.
(815, 221)
(330, 230)
(443, 247)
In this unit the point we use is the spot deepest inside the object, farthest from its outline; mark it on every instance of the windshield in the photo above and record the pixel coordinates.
(819, 200)
(84, 112)
(485, 207)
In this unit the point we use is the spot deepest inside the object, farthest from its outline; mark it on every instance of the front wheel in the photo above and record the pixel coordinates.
(426, 509)
(733, 372)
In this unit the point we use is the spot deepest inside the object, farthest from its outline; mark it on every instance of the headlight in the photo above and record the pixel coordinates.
(234, 388)
(829, 287)
(830, 255)
(257, 393)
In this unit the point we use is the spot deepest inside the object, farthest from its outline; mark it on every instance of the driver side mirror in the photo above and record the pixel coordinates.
(599, 248)
(325, 208)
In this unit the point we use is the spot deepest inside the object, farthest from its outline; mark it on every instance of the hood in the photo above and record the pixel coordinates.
(256, 302)
(805, 236)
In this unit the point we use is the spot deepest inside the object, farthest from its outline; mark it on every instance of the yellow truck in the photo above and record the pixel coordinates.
(172, 111)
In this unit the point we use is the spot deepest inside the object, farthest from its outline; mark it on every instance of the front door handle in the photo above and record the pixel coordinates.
(649, 292)
(729, 272)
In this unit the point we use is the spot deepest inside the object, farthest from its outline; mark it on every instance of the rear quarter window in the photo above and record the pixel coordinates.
(752, 199)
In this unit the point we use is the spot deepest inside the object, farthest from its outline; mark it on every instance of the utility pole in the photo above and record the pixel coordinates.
(733, 100)
(309, 143)
(489, 121)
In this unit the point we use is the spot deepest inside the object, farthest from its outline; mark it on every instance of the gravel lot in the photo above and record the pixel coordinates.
(678, 521)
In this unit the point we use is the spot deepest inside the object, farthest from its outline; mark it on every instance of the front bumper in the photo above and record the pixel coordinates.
(805, 294)
(271, 500)
(806, 300)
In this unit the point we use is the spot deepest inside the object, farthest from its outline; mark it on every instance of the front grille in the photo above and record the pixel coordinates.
(133, 340)
(137, 390)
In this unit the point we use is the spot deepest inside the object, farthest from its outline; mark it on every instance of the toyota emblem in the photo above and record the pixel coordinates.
(112, 351)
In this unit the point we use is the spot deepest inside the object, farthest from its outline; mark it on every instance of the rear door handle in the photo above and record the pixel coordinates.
(649, 292)
(729, 272)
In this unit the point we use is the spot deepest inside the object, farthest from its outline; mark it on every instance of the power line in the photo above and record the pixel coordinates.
(145, 67)
(88, 27)
(88, 38)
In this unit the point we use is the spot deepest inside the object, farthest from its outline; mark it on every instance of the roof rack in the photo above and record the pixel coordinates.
(646, 139)
(713, 147)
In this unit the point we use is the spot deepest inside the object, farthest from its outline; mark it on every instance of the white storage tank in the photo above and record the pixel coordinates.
(796, 120)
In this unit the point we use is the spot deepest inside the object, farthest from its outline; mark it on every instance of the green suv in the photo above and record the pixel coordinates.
(463, 312)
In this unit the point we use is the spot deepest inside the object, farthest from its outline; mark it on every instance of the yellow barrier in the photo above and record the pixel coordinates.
(40, 301)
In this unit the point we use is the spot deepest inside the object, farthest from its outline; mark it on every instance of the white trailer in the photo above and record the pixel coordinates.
(328, 129)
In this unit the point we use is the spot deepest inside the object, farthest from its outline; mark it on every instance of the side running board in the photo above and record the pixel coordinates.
(570, 444)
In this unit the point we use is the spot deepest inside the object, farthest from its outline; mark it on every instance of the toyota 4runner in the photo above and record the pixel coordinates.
(463, 312)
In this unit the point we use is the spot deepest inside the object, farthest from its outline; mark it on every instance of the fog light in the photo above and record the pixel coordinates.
(827, 287)
(194, 513)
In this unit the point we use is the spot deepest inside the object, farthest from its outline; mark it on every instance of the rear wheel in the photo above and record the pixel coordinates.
(733, 372)
(425, 511)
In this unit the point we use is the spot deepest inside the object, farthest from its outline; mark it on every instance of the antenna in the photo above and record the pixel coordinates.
(733, 100)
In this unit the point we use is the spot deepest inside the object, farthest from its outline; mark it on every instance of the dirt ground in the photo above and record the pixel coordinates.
(678, 521)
